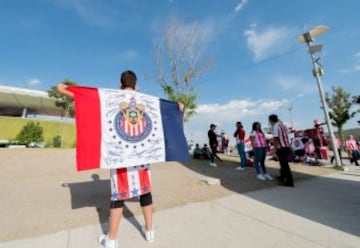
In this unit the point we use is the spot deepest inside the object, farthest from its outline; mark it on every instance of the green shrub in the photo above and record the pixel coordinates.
(48, 144)
(56, 141)
(31, 132)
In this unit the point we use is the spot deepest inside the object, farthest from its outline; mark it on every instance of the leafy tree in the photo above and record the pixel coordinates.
(62, 102)
(31, 132)
(356, 100)
(65, 103)
(339, 104)
(179, 62)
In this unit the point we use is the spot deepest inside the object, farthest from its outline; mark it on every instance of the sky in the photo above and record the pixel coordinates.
(259, 66)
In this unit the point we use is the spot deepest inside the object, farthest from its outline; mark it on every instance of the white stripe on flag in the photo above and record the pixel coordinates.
(114, 184)
(122, 144)
(134, 182)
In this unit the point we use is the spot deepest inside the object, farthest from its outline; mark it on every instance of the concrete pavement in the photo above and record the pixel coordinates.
(321, 212)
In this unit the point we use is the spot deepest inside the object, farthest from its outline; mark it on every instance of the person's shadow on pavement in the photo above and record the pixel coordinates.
(96, 194)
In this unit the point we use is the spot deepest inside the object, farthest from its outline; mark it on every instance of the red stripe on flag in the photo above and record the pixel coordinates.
(122, 124)
(122, 183)
(88, 127)
(141, 126)
(136, 130)
(145, 186)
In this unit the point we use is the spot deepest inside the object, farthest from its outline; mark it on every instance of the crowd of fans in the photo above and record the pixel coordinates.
(308, 146)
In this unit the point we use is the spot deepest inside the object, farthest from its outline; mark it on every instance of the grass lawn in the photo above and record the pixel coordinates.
(11, 126)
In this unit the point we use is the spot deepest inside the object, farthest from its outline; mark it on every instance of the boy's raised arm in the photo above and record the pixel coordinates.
(61, 88)
(181, 106)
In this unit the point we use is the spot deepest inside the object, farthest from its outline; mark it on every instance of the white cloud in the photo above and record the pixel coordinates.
(227, 114)
(267, 42)
(129, 55)
(237, 109)
(96, 13)
(344, 71)
(295, 84)
(241, 6)
(33, 81)
(354, 68)
(357, 67)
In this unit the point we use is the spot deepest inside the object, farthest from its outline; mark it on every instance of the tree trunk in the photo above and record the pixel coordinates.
(65, 125)
(341, 136)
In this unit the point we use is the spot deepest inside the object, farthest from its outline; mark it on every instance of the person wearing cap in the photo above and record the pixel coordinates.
(213, 143)
(240, 144)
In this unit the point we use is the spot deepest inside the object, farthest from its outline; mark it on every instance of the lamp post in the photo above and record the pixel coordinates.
(308, 39)
(290, 107)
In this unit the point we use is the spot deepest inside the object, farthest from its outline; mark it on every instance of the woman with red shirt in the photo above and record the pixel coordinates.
(240, 144)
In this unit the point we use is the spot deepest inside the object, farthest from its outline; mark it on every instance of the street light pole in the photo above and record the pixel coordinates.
(317, 70)
(291, 117)
(317, 73)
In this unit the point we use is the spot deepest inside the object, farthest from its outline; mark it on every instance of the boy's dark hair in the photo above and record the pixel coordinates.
(273, 118)
(239, 124)
(128, 79)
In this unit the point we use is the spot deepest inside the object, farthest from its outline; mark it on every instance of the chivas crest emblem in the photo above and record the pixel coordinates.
(132, 123)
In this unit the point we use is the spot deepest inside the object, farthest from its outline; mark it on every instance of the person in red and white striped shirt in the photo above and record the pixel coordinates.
(282, 146)
(352, 148)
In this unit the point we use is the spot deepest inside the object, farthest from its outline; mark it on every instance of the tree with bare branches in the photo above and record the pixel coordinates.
(179, 61)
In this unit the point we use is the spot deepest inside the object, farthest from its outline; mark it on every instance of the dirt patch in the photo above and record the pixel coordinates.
(41, 191)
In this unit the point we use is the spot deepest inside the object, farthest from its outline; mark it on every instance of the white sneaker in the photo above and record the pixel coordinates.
(213, 164)
(261, 177)
(268, 177)
(148, 235)
(240, 168)
(105, 242)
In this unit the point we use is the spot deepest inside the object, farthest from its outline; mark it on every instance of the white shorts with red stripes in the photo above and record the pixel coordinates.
(130, 182)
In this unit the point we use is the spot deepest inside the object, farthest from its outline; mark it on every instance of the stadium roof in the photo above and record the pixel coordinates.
(14, 100)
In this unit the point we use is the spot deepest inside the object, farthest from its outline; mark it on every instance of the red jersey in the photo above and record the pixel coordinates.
(240, 135)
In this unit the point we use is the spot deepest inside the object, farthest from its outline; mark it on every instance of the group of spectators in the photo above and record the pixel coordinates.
(259, 144)
(200, 153)
(281, 146)
(299, 149)
(309, 150)
(351, 147)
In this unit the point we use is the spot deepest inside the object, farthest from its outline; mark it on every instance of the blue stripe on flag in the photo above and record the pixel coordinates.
(175, 142)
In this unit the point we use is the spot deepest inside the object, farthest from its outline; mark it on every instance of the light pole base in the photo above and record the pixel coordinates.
(341, 168)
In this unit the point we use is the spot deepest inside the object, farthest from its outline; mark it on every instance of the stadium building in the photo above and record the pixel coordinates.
(22, 102)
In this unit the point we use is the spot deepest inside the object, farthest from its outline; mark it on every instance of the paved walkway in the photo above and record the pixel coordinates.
(322, 212)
